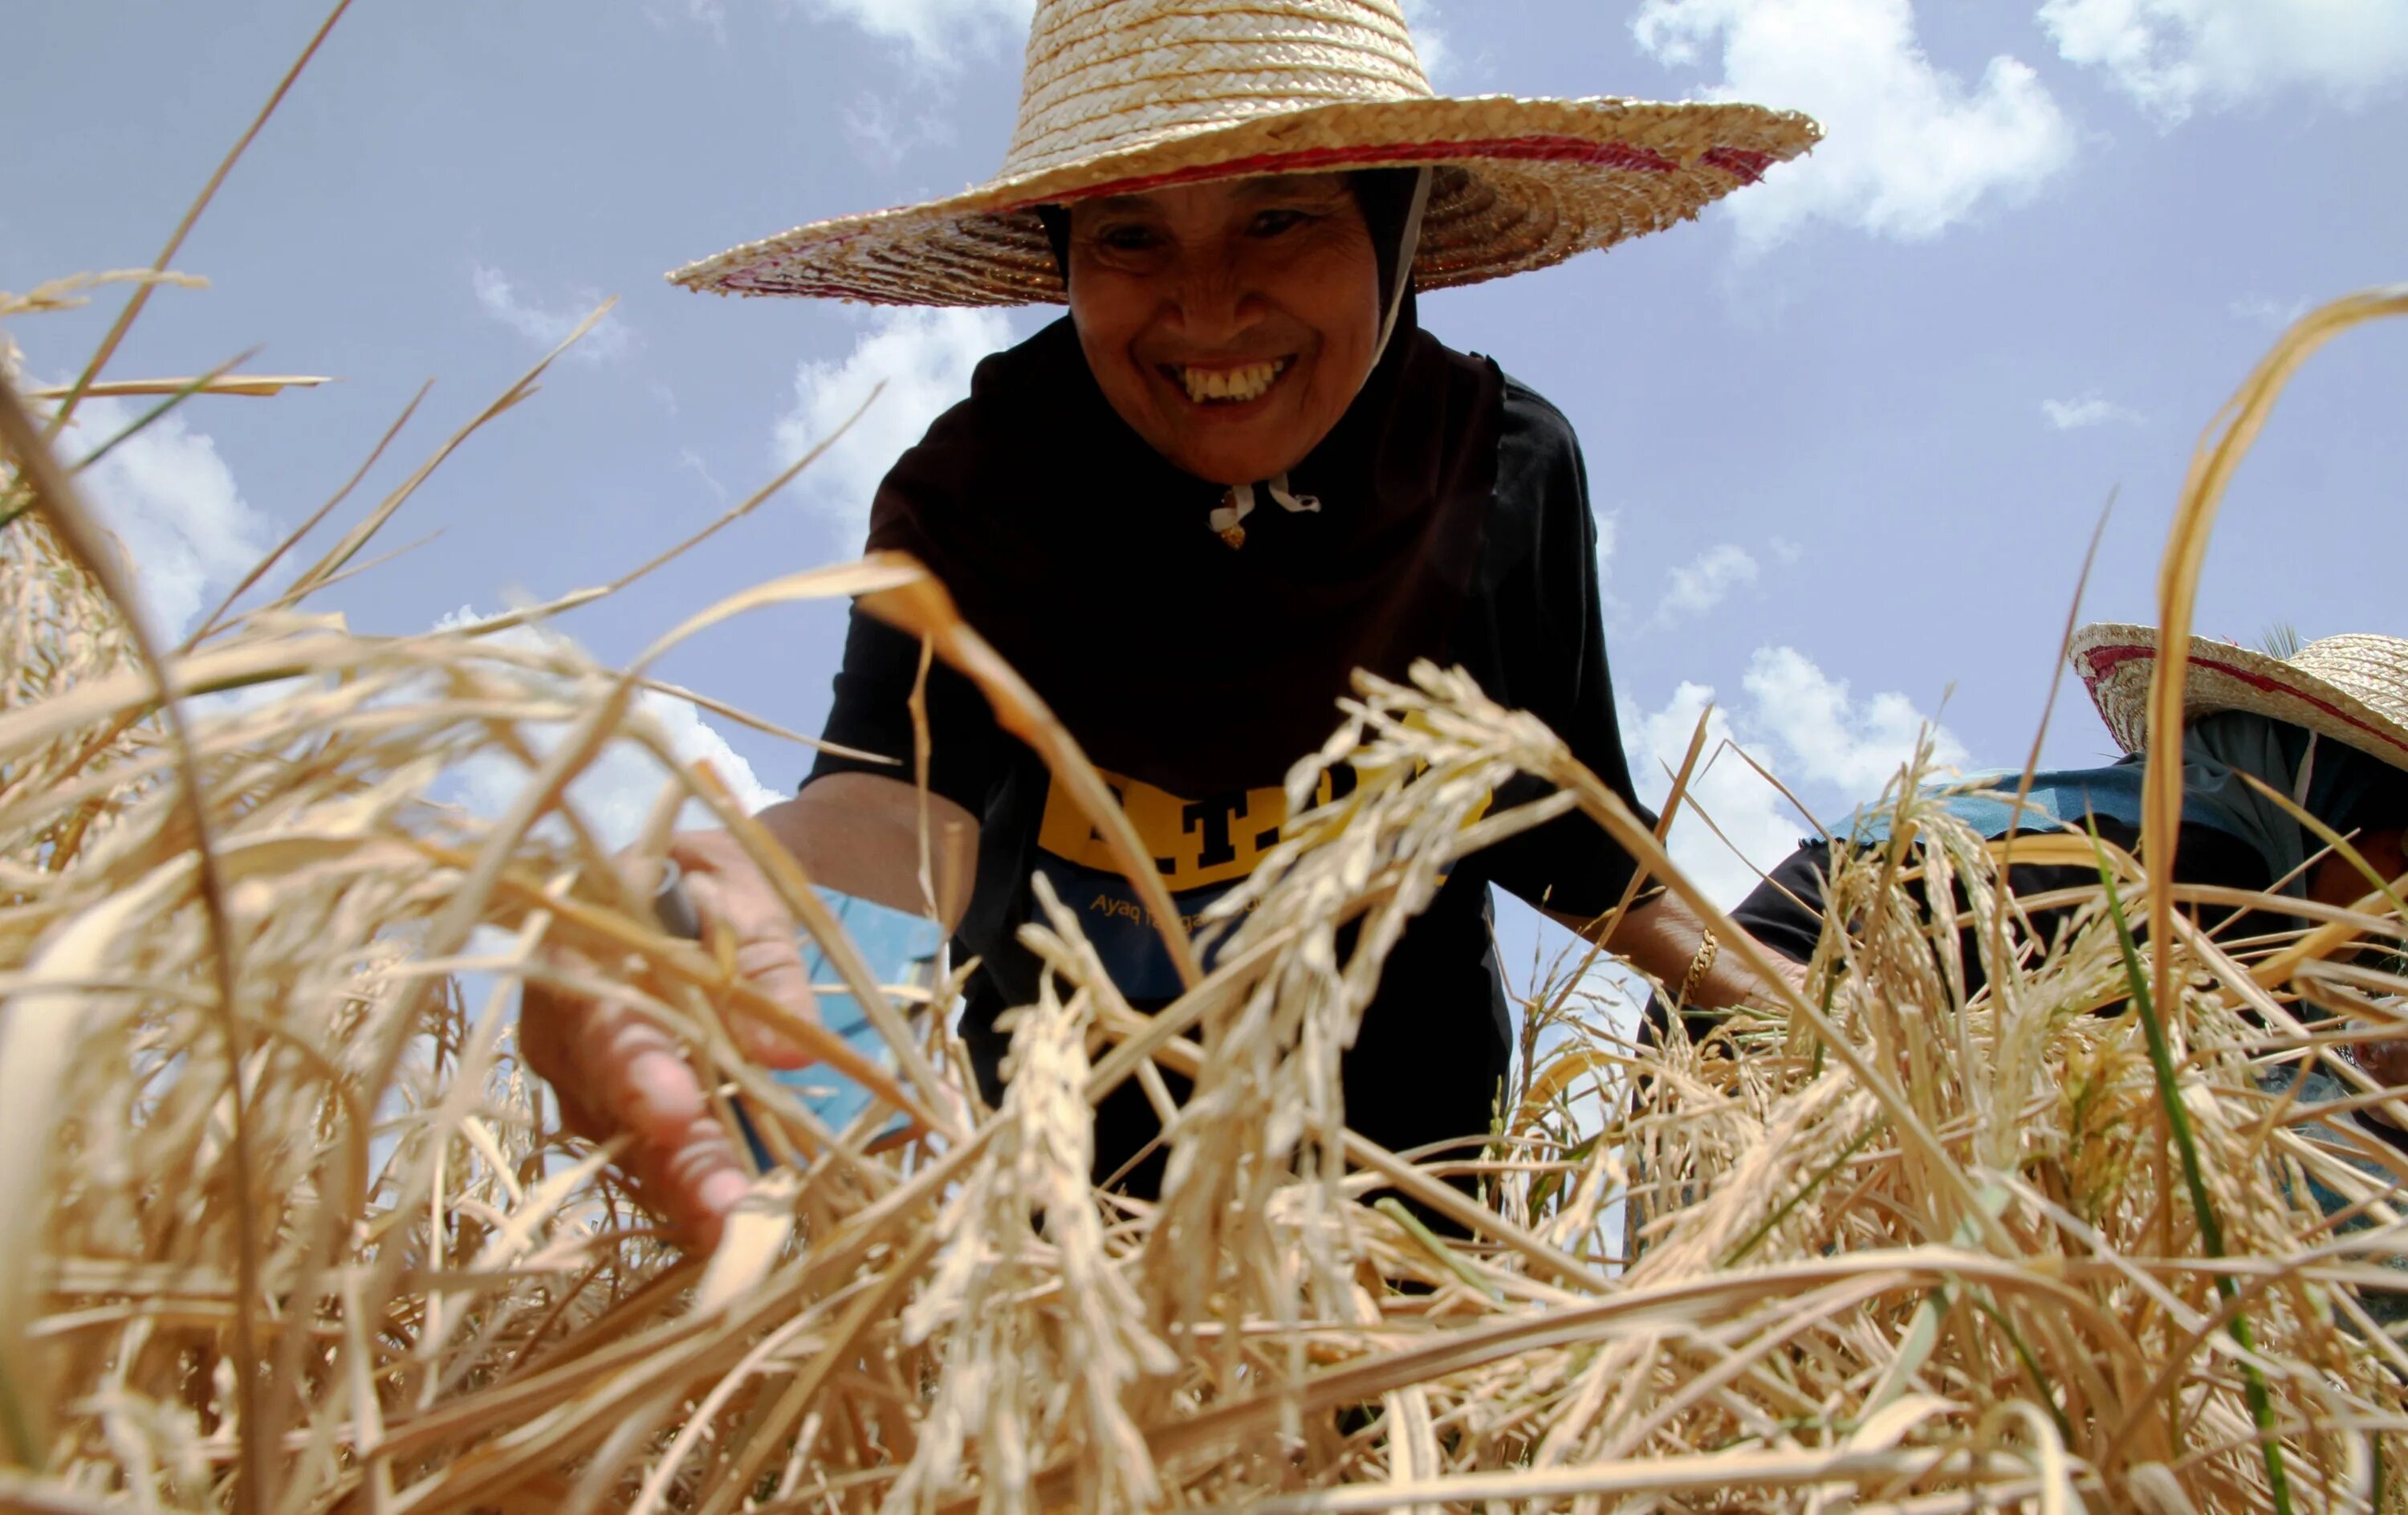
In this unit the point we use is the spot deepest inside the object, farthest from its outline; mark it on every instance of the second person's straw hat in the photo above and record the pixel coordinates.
(1121, 97)
(2353, 688)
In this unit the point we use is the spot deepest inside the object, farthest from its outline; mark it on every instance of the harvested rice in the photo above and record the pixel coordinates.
(286, 1226)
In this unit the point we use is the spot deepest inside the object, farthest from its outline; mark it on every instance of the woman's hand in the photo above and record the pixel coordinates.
(616, 1074)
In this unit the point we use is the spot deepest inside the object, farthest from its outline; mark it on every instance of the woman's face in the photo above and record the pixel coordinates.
(2336, 881)
(1230, 323)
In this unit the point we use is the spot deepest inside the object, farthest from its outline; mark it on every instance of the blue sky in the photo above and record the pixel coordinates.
(1846, 436)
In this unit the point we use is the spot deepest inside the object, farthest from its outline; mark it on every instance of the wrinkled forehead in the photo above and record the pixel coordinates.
(1236, 193)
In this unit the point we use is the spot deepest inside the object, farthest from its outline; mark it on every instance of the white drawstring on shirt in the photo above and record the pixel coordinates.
(1228, 519)
(1239, 503)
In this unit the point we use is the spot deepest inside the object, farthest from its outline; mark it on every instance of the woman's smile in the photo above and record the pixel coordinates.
(1227, 386)
(1229, 323)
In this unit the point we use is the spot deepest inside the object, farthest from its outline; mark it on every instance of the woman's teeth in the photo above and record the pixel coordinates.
(1232, 386)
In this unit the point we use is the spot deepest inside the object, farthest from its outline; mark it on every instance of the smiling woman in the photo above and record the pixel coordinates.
(1237, 473)
(1229, 323)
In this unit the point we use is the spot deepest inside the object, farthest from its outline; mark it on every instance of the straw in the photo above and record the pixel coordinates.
(287, 1225)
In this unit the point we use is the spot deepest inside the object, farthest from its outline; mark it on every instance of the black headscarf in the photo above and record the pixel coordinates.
(1087, 557)
(1384, 196)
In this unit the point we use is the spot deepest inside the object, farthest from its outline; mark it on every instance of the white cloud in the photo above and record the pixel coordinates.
(618, 792)
(1797, 721)
(932, 31)
(2172, 56)
(172, 503)
(547, 325)
(711, 15)
(1431, 40)
(1749, 812)
(2265, 312)
(1700, 586)
(924, 358)
(1609, 536)
(1911, 149)
(615, 795)
(692, 462)
(1831, 738)
(2091, 410)
(876, 129)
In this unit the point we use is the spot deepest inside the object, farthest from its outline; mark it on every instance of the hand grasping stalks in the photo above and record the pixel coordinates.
(621, 1077)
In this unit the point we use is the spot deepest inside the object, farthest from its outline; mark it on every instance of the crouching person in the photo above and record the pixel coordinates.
(2327, 729)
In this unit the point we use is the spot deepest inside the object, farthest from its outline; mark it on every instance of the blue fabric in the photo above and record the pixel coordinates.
(2340, 786)
(2059, 797)
(1985, 802)
(900, 948)
(2321, 1087)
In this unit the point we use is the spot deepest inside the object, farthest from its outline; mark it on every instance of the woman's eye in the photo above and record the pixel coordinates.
(1126, 238)
(1273, 223)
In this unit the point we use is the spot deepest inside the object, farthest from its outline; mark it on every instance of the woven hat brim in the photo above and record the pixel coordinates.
(2117, 661)
(1524, 184)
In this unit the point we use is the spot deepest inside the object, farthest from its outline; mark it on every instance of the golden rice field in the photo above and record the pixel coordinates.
(285, 1225)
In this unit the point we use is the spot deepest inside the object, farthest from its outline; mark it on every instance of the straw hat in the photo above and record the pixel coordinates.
(2351, 688)
(1125, 95)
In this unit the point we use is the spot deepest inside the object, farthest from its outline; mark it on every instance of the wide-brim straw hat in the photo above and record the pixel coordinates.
(2352, 688)
(1121, 97)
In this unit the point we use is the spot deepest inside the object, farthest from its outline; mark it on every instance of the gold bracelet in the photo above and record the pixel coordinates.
(1699, 966)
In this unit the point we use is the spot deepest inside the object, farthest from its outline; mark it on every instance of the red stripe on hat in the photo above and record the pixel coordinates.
(1746, 165)
(2102, 661)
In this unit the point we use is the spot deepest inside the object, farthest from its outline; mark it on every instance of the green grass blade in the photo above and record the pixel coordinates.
(1395, 1210)
(2210, 1230)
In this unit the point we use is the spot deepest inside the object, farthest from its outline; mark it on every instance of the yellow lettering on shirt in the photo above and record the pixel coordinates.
(1195, 844)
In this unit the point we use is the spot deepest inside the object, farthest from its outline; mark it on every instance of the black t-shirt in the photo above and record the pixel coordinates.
(1785, 911)
(1435, 1045)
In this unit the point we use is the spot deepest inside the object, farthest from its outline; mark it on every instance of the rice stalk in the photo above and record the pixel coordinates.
(158, 274)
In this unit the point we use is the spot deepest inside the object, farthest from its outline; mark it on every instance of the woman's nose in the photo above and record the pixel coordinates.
(1216, 303)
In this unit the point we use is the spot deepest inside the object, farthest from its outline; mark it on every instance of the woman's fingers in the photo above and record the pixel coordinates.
(1793, 974)
(636, 1073)
(548, 1028)
(618, 1074)
(639, 1083)
(730, 893)
(704, 1171)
